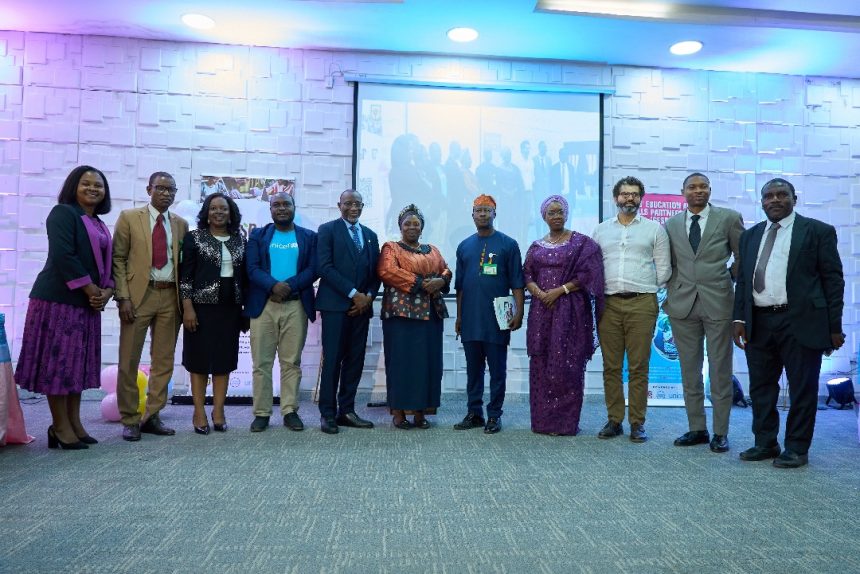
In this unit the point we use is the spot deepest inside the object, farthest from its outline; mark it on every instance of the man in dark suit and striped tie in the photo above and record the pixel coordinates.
(347, 253)
(788, 313)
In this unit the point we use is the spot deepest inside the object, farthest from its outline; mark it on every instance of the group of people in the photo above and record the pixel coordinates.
(780, 299)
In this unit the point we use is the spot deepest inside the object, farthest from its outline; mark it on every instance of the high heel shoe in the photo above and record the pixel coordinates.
(202, 430)
(220, 427)
(87, 439)
(54, 442)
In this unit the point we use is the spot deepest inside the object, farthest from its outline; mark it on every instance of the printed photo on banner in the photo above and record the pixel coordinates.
(244, 187)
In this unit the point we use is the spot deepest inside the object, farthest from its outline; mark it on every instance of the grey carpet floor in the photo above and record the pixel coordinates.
(435, 501)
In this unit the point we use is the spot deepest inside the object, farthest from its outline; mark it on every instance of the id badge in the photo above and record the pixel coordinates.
(490, 269)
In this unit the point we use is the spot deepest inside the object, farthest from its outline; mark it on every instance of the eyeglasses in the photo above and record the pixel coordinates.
(165, 189)
(554, 212)
(351, 204)
(629, 194)
(482, 210)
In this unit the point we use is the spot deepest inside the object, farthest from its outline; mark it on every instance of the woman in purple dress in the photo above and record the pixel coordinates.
(61, 347)
(564, 274)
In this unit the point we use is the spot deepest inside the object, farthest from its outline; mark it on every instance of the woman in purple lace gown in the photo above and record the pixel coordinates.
(564, 274)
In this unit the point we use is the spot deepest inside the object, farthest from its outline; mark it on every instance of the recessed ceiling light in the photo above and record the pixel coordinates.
(686, 48)
(198, 21)
(462, 34)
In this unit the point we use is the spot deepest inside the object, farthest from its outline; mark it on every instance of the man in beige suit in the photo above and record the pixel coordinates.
(699, 304)
(146, 271)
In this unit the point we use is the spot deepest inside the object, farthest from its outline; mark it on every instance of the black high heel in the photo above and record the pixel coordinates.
(87, 440)
(220, 427)
(202, 430)
(54, 442)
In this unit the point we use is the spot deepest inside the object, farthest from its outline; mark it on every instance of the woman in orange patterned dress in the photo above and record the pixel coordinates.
(415, 277)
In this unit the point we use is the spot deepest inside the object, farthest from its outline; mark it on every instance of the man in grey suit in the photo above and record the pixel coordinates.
(699, 304)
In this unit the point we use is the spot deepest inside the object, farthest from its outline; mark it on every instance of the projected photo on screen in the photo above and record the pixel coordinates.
(440, 148)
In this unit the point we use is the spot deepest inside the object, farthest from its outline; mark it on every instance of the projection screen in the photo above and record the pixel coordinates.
(441, 147)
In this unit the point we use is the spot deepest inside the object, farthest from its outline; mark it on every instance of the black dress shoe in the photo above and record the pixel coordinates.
(202, 430)
(131, 432)
(153, 425)
(470, 421)
(328, 425)
(401, 424)
(422, 424)
(293, 422)
(493, 425)
(637, 432)
(790, 459)
(353, 420)
(259, 424)
(611, 430)
(720, 443)
(757, 453)
(693, 438)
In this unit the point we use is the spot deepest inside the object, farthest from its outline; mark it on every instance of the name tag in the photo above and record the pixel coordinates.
(490, 269)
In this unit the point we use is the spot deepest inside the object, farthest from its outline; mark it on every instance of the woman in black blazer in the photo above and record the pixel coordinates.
(212, 276)
(61, 348)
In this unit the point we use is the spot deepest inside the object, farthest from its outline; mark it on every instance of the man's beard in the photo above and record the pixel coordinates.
(628, 209)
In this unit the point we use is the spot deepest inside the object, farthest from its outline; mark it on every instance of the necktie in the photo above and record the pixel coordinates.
(159, 243)
(695, 233)
(355, 238)
(761, 268)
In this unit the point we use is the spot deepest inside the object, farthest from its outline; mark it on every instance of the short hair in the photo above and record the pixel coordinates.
(69, 192)
(345, 191)
(778, 181)
(159, 174)
(235, 215)
(695, 174)
(631, 181)
(282, 194)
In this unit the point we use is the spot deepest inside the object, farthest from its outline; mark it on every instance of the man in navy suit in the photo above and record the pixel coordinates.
(281, 263)
(788, 312)
(347, 253)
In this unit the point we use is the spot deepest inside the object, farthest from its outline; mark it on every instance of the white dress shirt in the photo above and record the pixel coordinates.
(166, 272)
(636, 256)
(777, 266)
(703, 219)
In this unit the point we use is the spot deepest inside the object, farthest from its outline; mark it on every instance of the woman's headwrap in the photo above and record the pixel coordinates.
(554, 198)
(410, 209)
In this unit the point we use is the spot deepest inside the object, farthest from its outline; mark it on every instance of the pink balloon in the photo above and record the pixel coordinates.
(110, 408)
(108, 377)
(145, 369)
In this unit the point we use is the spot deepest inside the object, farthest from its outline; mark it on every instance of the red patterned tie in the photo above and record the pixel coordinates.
(159, 243)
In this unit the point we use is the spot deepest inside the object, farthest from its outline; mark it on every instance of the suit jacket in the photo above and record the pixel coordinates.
(557, 184)
(132, 252)
(337, 263)
(74, 257)
(704, 273)
(814, 282)
(259, 267)
(200, 278)
(543, 170)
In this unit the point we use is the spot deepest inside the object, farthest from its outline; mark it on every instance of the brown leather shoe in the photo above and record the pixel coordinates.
(637, 432)
(153, 425)
(131, 432)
